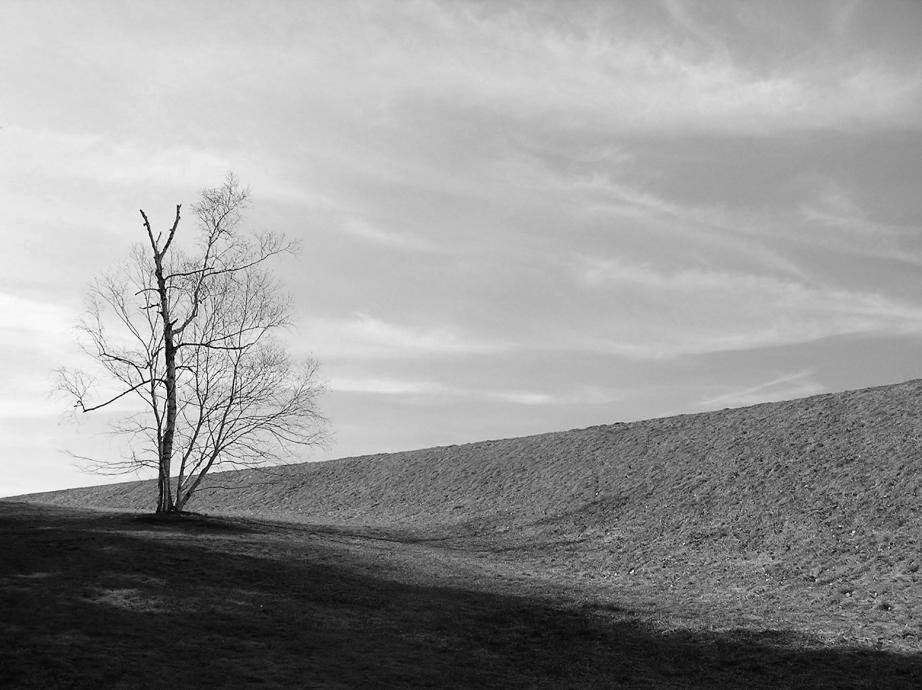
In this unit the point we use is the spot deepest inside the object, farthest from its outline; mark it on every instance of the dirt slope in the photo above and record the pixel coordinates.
(793, 507)
(94, 599)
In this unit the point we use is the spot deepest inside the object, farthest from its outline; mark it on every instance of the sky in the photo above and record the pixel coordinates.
(515, 217)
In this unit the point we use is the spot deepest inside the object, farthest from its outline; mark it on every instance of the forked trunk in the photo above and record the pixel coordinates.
(165, 502)
(165, 496)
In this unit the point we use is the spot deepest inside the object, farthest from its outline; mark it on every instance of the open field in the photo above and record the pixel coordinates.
(776, 545)
(117, 600)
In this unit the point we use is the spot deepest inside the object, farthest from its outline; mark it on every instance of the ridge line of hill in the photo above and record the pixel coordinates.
(798, 507)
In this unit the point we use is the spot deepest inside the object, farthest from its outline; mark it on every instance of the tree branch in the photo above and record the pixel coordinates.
(84, 408)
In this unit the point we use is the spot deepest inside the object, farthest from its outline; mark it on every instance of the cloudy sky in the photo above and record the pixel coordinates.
(516, 216)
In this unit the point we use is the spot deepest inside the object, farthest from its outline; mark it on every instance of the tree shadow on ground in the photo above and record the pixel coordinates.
(92, 599)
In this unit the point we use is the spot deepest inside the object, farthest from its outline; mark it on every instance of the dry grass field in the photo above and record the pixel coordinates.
(770, 546)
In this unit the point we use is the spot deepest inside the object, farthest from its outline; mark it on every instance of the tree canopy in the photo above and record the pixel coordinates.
(192, 336)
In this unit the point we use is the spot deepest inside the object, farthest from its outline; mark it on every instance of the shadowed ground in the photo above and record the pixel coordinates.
(803, 515)
(117, 600)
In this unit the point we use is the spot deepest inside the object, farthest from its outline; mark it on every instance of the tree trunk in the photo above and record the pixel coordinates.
(169, 427)
(165, 502)
(165, 497)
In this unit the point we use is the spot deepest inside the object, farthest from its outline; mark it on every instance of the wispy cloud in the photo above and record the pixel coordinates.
(603, 194)
(622, 75)
(435, 390)
(401, 241)
(33, 324)
(35, 338)
(56, 155)
(102, 158)
(363, 335)
(691, 310)
(578, 395)
(831, 204)
(786, 387)
(384, 386)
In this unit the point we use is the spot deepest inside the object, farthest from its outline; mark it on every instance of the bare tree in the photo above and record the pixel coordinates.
(191, 337)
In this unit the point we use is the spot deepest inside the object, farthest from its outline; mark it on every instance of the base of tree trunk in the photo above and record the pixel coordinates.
(175, 514)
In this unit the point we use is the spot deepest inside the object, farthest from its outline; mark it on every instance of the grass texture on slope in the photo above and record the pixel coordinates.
(782, 509)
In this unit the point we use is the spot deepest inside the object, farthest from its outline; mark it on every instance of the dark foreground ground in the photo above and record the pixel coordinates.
(119, 600)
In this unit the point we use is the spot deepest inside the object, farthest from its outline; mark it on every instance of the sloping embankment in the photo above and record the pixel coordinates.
(820, 494)
(845, 456)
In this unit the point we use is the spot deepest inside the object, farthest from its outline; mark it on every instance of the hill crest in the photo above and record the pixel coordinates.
(824, 450)
(789, 509)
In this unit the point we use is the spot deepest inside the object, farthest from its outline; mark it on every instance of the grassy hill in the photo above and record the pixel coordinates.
(802, 515)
